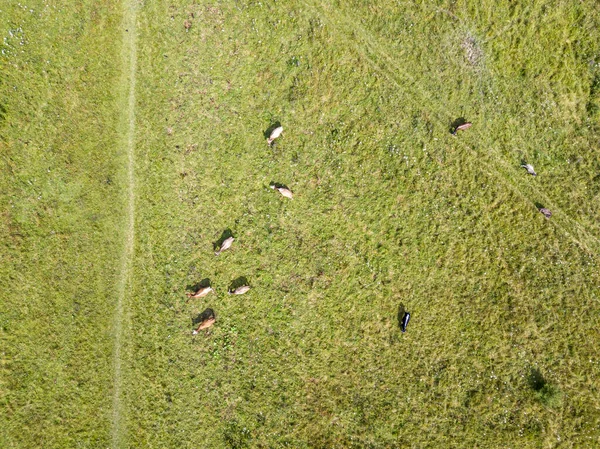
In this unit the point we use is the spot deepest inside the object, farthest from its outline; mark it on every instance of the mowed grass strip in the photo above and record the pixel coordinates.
(62, 215)
(390, 211)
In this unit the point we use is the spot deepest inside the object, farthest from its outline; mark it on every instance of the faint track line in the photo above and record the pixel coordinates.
(129, 58)
(379, 50)
(584, 243)
(576, 231)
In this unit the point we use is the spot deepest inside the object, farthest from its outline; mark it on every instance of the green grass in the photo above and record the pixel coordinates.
(61, 203)
(390, 210)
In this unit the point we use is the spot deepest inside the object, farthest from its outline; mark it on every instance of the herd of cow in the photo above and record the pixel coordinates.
(207, 318)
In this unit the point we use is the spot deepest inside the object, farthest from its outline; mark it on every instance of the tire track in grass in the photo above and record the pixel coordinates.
(374, 51)
(127, 103)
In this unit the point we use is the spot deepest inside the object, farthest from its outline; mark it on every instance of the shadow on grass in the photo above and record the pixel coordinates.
(456, 123)
(278, 185)
(401, 312)
(207, 314)
(198, 285)
(536, 380)
(545, 392)
(546, 212)
(270, 129)
(224, 236)
(238, 282)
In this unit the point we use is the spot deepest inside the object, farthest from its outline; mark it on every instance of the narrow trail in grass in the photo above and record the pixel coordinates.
(129, 56)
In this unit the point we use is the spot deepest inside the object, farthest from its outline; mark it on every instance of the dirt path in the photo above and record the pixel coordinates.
(127, 103)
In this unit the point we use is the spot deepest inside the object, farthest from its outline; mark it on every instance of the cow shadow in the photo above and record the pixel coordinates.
(205, 315)
(193, 288)
(456, 123)
(277, 185)
(401, 312)
(270, 129)
(238, 282)
(224, 236)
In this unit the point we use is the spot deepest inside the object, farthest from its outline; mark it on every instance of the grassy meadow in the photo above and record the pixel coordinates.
(391, 212)
(61, 221)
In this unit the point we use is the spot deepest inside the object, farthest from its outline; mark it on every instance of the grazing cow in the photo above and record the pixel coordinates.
(240, 290)
(275, 134)
(207, 319)
(462, 127)
(529, 169)
(225, 245)
(546, 212)
(284, 191)
(201, 293)
(404, 321)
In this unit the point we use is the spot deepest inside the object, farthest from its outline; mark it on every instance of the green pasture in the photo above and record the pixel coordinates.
(391, 212)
